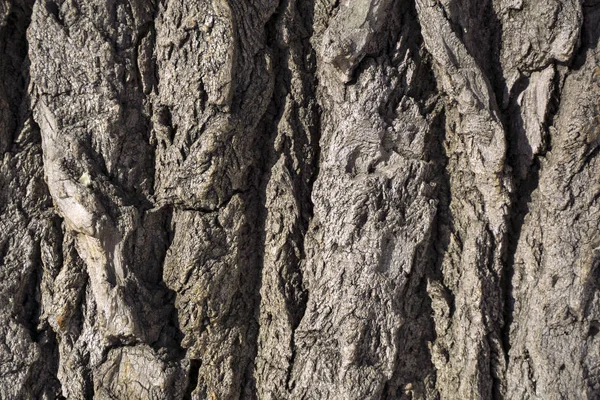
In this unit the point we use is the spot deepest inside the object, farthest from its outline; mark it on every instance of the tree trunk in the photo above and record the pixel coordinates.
(299, 199)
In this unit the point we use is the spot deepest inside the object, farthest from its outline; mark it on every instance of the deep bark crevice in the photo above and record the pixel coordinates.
(192, 379)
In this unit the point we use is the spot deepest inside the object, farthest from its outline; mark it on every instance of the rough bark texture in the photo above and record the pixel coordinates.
(299, 199)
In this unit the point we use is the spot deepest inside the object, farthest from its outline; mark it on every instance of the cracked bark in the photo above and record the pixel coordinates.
(218, 199)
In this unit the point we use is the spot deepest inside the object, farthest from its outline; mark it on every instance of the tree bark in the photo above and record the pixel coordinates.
(285, 199)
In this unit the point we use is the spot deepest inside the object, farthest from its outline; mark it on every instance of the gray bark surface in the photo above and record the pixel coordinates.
(299, 199)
